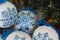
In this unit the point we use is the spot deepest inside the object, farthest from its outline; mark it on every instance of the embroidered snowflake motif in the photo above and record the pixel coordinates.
(9, 17)
(45, 36)
(26, 20)
(18, 38)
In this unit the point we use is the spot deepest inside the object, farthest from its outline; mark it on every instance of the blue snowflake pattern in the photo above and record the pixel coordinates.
(25, 20)
(10, 16)
(18, 38)
(45, 36)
